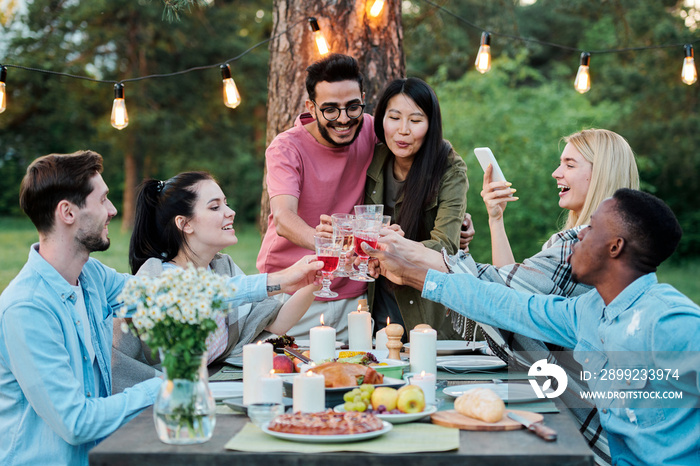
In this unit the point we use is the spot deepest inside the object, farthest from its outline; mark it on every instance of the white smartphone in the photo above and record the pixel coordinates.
(486, 158)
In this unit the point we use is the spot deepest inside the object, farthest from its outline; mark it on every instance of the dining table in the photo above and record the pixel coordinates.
(237, 441)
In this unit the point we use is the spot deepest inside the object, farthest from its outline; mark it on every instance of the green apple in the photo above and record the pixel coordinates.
(386, 396)
(411, 400)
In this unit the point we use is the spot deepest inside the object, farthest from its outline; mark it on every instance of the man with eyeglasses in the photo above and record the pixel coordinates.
(318, 167)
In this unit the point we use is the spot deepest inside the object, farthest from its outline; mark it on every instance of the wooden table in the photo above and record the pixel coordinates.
(136, 444)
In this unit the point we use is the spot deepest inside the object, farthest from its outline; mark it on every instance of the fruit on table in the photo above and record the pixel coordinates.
(411, 399)
(282, 364)
(358, 399)
(386, 397)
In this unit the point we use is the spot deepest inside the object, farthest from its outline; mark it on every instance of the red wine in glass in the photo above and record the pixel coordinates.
(330, 263)
(372, 242)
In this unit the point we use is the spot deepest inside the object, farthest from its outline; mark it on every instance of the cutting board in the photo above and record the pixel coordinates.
(452, 418)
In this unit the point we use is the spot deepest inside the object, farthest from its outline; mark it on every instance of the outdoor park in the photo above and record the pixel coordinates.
(63, 58)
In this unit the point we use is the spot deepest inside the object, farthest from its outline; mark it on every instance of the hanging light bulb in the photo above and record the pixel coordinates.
(3, 93)
(120, 119)
(689, 74)
(232, 98)
(582, 83)
(318, 37)
(376, 8)
(483, 57)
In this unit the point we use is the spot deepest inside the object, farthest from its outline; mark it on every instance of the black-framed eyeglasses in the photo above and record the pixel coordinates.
(353, 111)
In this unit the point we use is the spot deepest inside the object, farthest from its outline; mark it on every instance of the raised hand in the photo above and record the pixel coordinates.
(496, 195)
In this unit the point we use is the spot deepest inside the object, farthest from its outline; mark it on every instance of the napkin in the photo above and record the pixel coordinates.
(403, 438)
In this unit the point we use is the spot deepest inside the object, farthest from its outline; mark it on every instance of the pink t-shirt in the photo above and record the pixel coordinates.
(326, 180)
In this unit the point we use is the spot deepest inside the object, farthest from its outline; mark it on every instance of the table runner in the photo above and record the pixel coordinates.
(403, 438)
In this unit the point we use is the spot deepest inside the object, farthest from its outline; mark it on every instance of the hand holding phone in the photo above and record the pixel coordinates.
(486, 158)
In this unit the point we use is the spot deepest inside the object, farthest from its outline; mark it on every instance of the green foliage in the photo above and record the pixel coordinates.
(522, 117)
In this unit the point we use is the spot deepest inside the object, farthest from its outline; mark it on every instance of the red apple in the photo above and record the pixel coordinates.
(282, 364)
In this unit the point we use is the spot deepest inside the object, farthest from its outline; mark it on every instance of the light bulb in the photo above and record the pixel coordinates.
(582, 83)
(120, 119)
(232, 98)
(689, 74)
(321, 42)
(483, 57)
(3, 93)
(376, 8)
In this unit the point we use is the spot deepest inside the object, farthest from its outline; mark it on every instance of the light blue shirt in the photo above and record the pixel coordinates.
(49, 411)
(652, 321)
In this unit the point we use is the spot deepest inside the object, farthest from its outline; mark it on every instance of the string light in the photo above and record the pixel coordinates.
(321, 42)
(582, 83)
(3, 93)
(120, 119)
(483, 56)
(689, 74)
(376, 9)
(232, 98)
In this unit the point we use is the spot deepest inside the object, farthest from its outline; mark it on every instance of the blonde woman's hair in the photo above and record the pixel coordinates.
(614, 167)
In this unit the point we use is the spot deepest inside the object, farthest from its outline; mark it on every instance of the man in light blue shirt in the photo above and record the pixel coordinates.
(629, 322)
(56, 320)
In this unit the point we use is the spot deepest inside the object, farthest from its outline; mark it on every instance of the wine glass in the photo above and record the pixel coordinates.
(366, 230)
(327, 251)
(342, 226)
(369, 211)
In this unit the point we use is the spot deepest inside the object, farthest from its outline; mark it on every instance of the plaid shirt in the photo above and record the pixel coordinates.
(547, 272)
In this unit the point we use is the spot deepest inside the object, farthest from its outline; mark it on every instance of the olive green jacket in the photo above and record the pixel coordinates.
(443, 218)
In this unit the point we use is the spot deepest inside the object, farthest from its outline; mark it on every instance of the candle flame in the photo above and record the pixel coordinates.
(309, 373)
(422, 373)
(388, 321)
(259, 342)
(272, 372)
(321, 319)
(359, 307)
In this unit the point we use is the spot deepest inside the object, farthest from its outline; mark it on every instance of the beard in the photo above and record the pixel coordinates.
(92, 242)
(327, 136)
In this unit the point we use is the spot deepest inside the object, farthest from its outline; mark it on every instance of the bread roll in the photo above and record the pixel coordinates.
(482, 404)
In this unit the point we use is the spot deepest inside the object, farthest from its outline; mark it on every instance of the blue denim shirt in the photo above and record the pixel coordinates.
(652, 321)
(49, 411)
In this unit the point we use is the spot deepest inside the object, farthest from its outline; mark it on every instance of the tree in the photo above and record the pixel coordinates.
(377, 44)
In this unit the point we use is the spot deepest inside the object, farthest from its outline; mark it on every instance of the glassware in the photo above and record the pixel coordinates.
(342, 226)
(374, 211)
(366, 230)
(386, 221)
(328, 251)
(184, 411)
(262, 413)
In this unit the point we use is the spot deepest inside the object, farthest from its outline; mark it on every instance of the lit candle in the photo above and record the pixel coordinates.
(427, 383)
(309, 393)
(359, 330)
(270, 389)
(322, 342)
(423, 352)
(257, 362)
(380, 344)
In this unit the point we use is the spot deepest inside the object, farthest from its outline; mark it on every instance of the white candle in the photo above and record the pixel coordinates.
(359, 330)
(309, 393)
(427, 383)
(270, 389)
(257, 362)
(423, 352)
(322, 342)
(380, 344)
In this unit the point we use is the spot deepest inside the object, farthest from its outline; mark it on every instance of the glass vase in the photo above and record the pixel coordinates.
(185, 410)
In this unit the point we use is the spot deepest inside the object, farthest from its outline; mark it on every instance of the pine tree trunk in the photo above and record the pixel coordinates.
(377, 44)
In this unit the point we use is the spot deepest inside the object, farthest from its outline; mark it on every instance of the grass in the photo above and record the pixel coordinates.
(18, 234)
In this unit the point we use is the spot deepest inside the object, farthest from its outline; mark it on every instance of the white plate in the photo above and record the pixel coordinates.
(223, 390)
(330, 438)
(469, 363)
(447, 347)
(400, 418)
(509, 392)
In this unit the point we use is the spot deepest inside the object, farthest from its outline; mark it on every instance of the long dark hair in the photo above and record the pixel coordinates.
(429, 163)
(158, 203)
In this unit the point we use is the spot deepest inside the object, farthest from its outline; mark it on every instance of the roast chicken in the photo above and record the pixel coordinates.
(341, 374)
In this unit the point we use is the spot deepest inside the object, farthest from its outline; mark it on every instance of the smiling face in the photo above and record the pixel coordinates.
(405, 127)
(573, 179)
(595, 241)
(94, 217)
(344, 130)
(211, 227)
